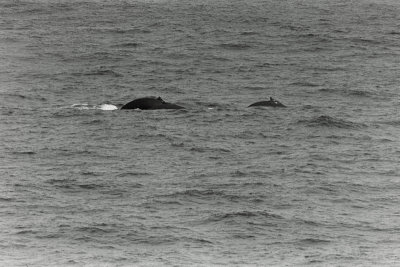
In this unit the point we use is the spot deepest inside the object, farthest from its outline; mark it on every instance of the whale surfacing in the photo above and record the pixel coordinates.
(151, 102)
(269, 103)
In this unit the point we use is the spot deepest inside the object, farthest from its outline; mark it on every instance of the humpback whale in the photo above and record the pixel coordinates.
(269, 103)
(150, 102)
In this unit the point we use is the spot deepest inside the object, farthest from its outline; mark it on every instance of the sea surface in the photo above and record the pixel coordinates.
(216, 184)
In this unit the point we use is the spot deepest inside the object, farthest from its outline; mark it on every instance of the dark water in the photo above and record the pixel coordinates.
(216, 184)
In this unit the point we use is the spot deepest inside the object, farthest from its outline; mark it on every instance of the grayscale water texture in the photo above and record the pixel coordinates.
(217, 184)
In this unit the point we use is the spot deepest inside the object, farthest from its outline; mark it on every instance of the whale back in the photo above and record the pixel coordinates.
(268, 103)
(151, 102)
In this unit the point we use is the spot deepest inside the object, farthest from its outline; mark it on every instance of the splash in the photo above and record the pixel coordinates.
(108, 107)
(85, 106)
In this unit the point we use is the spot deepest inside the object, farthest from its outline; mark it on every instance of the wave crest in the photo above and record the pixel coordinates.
(234, 46)
(327, 121)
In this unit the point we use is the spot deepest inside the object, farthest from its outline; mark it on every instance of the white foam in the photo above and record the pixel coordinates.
(81, 106)
(108, 107)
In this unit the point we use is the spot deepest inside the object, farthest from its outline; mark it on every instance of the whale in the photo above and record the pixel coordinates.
(150, 102)
(268, 103)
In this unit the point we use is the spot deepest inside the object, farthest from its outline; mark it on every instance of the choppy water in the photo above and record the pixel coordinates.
(315, 184)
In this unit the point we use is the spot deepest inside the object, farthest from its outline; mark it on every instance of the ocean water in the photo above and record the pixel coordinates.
(217, 184)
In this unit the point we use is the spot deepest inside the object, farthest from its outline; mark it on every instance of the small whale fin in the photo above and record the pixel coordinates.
(269, 103)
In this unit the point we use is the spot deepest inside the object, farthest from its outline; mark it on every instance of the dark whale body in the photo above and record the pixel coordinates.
(150, 102)
(269, 103)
